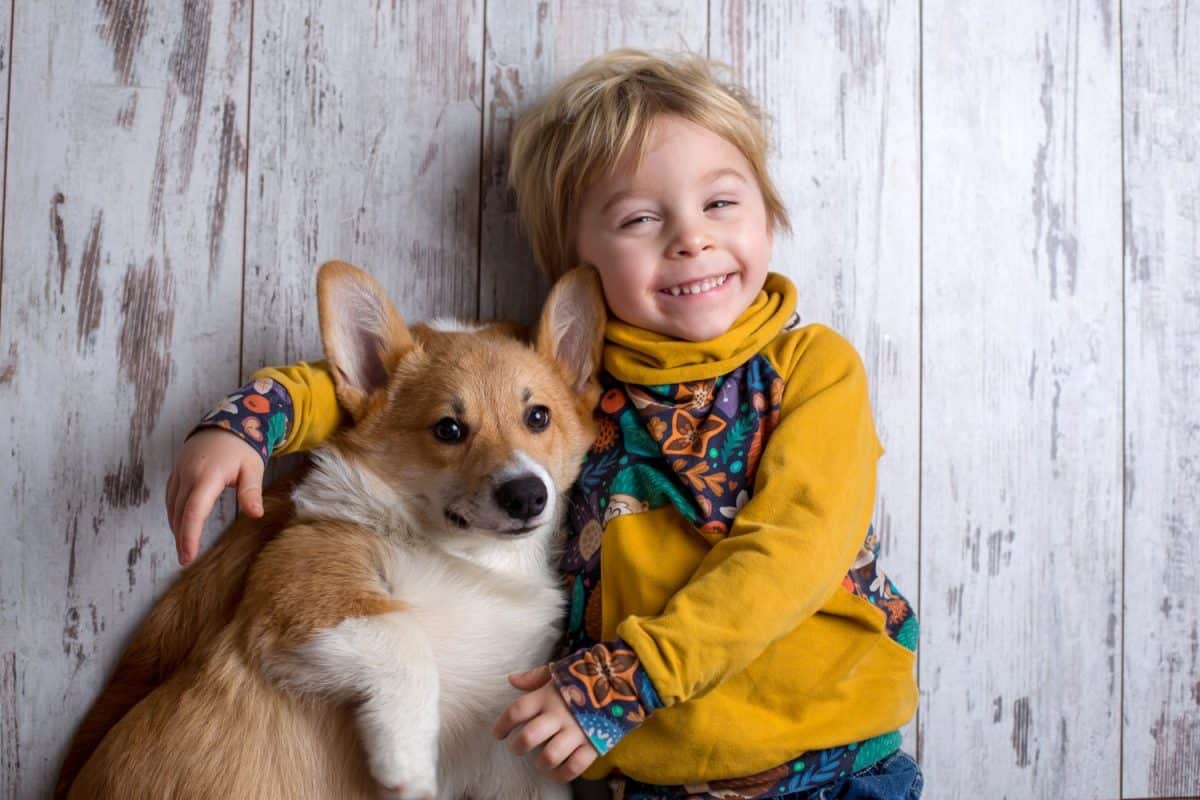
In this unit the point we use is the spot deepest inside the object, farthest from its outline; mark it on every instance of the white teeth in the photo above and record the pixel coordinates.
(700, 287)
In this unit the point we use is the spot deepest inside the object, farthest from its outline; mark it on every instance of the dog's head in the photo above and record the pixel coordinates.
(466, 433)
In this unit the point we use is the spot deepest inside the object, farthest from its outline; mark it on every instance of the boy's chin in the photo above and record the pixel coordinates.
(702, 330)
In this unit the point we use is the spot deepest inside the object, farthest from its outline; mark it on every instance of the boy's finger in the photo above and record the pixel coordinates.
(520, 711)
(249, 493)
(575, 766)
(539, 730)
(169, 500)
(530, 679)
(196, 509)
(555, 752)
(177, 500)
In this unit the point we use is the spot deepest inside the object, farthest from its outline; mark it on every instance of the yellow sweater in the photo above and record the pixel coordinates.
(761, 639)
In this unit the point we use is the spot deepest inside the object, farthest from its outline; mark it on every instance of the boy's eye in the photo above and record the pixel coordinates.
(637, 220)
(450, 430)
(721, 203)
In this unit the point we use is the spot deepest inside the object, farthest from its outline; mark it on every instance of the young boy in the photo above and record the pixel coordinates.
(729, 634)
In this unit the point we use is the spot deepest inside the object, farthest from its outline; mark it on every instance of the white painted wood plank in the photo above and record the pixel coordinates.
(529, 48)
(365, 132)
(122, 273)
(1021, 467)
(846, 160)
(1162, 368)
(12, 674)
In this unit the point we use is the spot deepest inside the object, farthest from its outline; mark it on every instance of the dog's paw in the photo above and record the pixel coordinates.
(403, 792)
(404, 772)
(400, 736)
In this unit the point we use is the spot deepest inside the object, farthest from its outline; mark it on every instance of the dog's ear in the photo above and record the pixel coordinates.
(364, 336)
(571, 329)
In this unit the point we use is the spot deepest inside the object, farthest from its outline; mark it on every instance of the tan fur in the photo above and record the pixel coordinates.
(200, 704)
(198, 605)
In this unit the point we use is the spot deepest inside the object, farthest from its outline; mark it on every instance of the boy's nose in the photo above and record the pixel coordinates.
(691, 242)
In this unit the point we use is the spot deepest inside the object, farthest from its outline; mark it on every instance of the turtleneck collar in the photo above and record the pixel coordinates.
(641, 357)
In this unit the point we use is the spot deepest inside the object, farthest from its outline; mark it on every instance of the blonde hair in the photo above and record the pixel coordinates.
(602, 111)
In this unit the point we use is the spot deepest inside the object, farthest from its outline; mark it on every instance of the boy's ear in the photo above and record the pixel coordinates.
(571, 329)
(364, 336)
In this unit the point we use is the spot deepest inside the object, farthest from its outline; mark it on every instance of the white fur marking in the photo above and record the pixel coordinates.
(389, 662)
(339, 489)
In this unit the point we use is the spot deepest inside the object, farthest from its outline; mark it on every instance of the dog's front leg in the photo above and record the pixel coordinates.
(386, 664)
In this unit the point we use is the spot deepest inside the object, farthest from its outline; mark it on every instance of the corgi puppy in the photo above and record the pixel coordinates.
(355, 642)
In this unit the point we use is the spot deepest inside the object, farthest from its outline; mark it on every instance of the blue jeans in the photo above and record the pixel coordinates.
(896, 777)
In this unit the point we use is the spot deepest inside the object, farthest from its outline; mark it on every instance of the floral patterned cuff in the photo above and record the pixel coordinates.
(260, 413)
(607, 690)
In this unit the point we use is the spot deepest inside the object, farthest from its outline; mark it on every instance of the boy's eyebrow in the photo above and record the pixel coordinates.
(707, 177)
(616, 198)
(721, 172)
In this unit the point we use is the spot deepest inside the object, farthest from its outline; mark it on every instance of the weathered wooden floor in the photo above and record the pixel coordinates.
(999, 203)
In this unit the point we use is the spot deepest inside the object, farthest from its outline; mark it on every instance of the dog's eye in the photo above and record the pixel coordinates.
(537, 418)
(450, 430)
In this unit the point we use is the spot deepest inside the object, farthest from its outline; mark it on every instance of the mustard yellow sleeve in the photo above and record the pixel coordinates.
(792, 542)
(315, 413)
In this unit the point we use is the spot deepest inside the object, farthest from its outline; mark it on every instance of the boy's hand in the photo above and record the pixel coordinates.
(211, 459)
(566, 751)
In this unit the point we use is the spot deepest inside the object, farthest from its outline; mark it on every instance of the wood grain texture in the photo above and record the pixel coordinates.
(13, 671)
(1021, 435)
(846, 160)
(365, 147)
(529, 48)
(954, 175)
(1162, 373)
(122, 255)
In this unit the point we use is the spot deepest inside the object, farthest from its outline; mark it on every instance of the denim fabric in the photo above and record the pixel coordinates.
(896, 777)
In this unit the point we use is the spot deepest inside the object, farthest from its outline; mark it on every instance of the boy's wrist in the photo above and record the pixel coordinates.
(258, 413)
(606, 690)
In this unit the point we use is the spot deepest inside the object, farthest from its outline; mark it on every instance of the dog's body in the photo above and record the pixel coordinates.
(360, 638)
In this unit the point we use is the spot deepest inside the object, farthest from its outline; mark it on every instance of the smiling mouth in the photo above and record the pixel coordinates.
(702, 286)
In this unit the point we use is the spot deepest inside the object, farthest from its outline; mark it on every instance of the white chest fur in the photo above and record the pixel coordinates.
(482, 624)
(431, 679)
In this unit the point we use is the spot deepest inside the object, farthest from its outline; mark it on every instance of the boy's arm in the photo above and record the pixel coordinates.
(787, 551)
(281, 410)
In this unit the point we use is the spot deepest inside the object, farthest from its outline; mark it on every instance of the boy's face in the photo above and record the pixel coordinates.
(682, 242)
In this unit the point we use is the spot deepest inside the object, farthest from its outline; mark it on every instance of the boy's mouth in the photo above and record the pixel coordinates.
(702, 286)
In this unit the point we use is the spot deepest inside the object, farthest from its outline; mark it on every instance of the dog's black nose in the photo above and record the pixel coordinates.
(522, 498)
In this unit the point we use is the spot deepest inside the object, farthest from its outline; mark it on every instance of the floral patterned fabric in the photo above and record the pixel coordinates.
(695, 446)
(607, 691)
(866, 579)
(259, 413)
